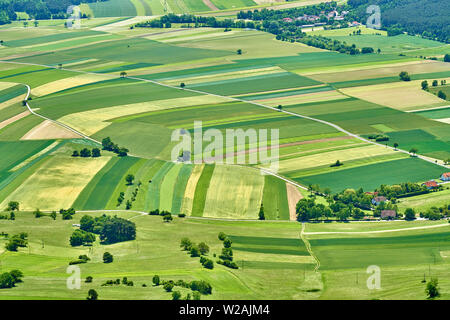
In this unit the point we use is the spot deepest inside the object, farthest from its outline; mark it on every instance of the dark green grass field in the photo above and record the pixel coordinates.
(275, 199)
(51, 38)
(372, 176)
(12, 92)
(201, 191)
(255, 84)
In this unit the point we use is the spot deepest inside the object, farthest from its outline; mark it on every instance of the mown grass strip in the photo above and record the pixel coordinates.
(153, 194)
(180, 188)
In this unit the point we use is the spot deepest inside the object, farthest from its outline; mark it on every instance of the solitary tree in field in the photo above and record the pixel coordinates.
(13, 206)
(92, 295)
(261, 213)
(396, 145)
(424, 85)
(404, 76)
(435, 83)
(410, 214)
(239, 51)
(442, 95)
(413, 151)
(182, 85)
(108, 257)
(447, 58)
(432, 288)
(25, 24)
(123, 74)
(36, 23)
(129, 179)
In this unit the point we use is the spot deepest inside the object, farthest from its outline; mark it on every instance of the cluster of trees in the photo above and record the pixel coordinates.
(117, 282)
(11, 216)
(110, 229)
(86, 153)
(129, 204)
(197, 287)
(378, 137)
(197, 250)
(81, 259)
(9, 279)
(37, 9)
(226, 257)
(38, 214)
(436, 213)
(81, 237)
(13, 206)
(430, 19)
(108, 145)
(404, 76)
(67, 213)
(166, 215)
(108, 257)
(17, 241)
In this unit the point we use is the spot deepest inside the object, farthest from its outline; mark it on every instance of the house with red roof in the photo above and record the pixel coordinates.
(445, 176)
(430, 184)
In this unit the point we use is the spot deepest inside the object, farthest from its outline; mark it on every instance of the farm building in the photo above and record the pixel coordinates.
(445, 176)
(430, 184)
(377, 200)
(388, 214)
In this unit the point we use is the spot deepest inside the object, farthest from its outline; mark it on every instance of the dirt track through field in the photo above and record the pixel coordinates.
(293, 196)
(210, 5)
(14, 119)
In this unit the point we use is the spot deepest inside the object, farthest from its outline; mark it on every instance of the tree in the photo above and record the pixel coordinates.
(261, 213)
(404, 76)
(425, 85)
(129, 179)
(88, 279)
(6, 280)
(182, 85)
(123, 74)
(75, 154)
(442, 95)
(222, 236)
(186, 244)
(227, 243)
(92, 295)
(25, 24)
(96, 153)
(36, 23)
(87, 223)
(432, 289)
(37, 213)
(447, 58)
(108, 257)
(395, 145)
(167, 217)
(176, 295)
(53, 215)
(13, 206)
(435, 83)
(156, 280)
(410, 214)
(195, 252)
(85, 153)
(81, 237)
(203, 248)
(168, 286)
(413, 151)
(239, 51)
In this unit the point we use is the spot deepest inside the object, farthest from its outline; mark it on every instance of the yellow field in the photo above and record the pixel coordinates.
(225, 76)
(6, 85)
(188, 200)
(328, 158)
(49, 130)
(303, 98)
(294, 197)
(56, 184)
(402, 95)
(234, 192)
(67, 83)
(92, 121)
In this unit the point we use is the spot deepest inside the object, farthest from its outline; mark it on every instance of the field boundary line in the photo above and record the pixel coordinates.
(378, 231)
(335, 126)
(308, 247)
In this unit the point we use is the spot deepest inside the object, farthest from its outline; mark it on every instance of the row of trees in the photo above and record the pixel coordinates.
(113, 147)
(86, 153)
